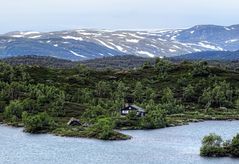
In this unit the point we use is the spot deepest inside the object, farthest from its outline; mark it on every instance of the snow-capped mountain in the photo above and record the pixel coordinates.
(87, 44)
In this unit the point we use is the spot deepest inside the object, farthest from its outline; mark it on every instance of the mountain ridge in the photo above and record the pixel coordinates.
(84, 44)
(211, 55)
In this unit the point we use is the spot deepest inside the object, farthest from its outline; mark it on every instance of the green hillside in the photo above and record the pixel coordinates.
(44, 99)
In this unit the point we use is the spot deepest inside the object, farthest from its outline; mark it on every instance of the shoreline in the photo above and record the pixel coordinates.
(122, 137)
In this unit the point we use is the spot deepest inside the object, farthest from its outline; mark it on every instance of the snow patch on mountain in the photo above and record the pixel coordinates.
(226, 28)
(146, 53)
(119, 35)
(136, 36)
(34, 37)
(175, 46)
(30, 33)
(172, 50)
(17, 36)
(197, 50)
(118, 47)
(104, 44)
(72, 37)
(76, 54)
(232, 40)
(132, 40)
(212, 47)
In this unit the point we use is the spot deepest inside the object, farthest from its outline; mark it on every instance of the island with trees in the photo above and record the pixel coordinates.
(44, 99)
(214, 146)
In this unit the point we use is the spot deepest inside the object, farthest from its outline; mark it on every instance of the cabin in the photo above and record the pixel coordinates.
(73, 122)
(128, 108)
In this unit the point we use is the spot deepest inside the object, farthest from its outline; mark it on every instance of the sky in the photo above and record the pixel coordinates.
(52, 15)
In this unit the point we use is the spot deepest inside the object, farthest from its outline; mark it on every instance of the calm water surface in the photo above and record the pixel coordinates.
(177, 145)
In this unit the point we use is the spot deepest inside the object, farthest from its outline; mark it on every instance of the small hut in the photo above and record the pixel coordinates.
(73, 122)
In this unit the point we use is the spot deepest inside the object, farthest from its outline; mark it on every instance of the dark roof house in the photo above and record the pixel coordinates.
(129, 108)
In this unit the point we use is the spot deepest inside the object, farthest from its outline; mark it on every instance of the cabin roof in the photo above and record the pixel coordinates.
(137, 108)
(73, 121)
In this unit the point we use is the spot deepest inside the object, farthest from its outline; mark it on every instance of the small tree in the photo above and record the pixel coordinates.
(212, 140)
(234, 151)
(237, 104)
(120, 91)
(167, 96)
(102, 89)
(188, 92)
(14, 110)
(30, 105)
(150, 93)
(57, 106)
(163, 66)
(82, 69)
(212, 145)
(6, 72)
(138, 91)
(200, 69)
(155, 117)
(218, 95)
(94, 111)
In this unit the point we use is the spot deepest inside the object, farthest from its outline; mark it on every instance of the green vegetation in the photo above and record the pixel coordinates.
(155, 118)
(103, 129)
(38, 123)
(214, 146)
(43, 100)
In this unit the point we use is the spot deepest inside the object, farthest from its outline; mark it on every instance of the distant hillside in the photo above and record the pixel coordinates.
(42, 61)
(211, 55)
(118, 62)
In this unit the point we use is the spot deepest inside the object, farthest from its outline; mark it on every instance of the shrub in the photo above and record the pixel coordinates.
(234, 148)
(38, 123)
(155, 118)
(211, 151)
(212, 146)
(14, 111)
(102, 129)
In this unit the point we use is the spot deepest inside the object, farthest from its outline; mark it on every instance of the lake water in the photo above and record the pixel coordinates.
(176, 145)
